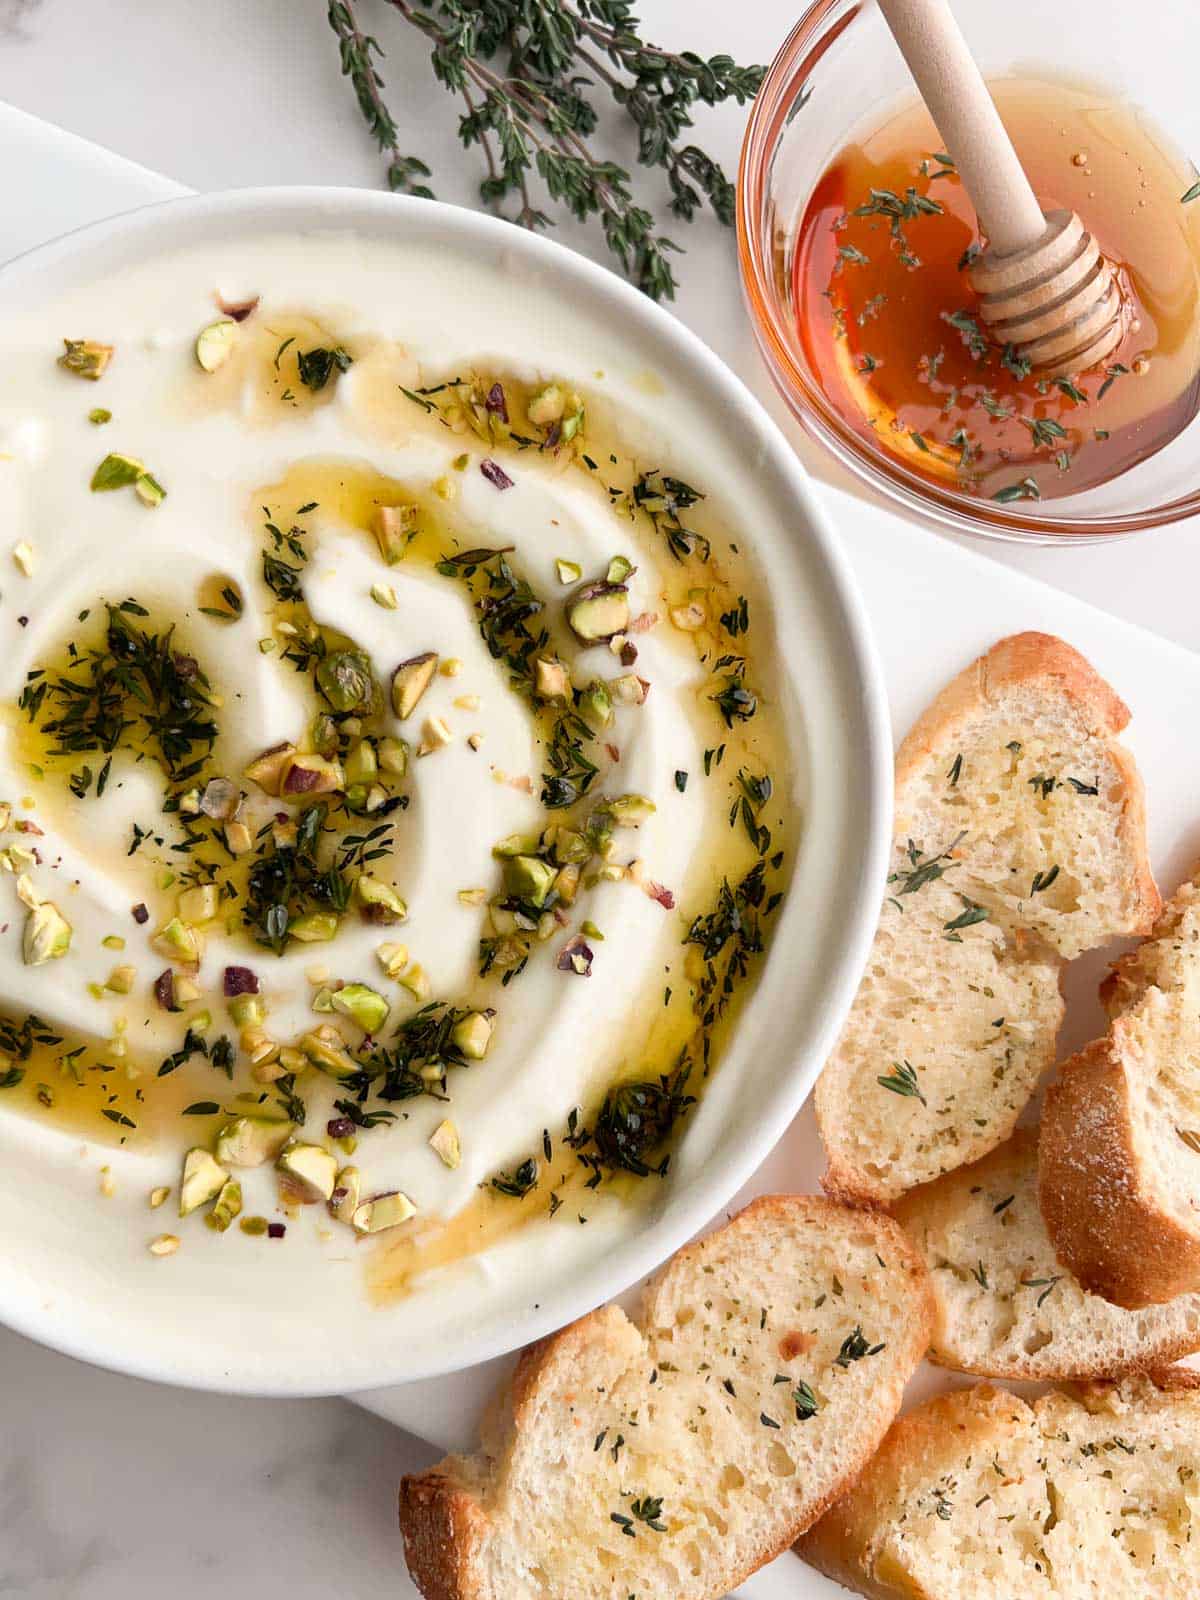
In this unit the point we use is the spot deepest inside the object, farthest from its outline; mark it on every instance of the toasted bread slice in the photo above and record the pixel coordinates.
(978, 1495)
(1005, 1307)
(673, 1457)
(1019, 842)
(1120, 1145)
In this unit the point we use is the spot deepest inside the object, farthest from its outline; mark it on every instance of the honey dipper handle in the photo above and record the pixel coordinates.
(967, 121)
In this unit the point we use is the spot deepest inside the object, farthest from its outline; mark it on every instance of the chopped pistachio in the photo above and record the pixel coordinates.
(528, 878)
(630, 810)
(23, 557)
(384, 595)
(436, 734)
(546, 405)
(445, 488)
(148, 489)
(451, 667)
(474, 740)
(378, 901)
(159, 1196)
(267, 770)
(266, 647)
(178, 942)
(362, 1005)
(250, 1140)
(254, 1226)
(310, 774)
(416, 981)
(199, 904)
(344, 1200)
(629, 690)
(121, 980)
(392, 755)
(410, 681)
(165, 1245)
(384, 1211)
(317, 927)
(393, 958)
(472, 897)
(598, 610)
(568, 571)
(258, 1045)
(47, 935)
(244, 1009)
(692, 616)
(445, 1141)
(553, 679)
(588, 927)
(307, 1172)
(214, 344)
(87, 358)
(226, 1206)
(323, 1049)
(394, 526)
(113, 941)
(619, 568)
(238, 838)
(99, 415)
(595, 706)
(472, 1034)
(202, 1180)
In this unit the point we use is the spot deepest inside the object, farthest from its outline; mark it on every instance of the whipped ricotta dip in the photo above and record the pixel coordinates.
(394, 802)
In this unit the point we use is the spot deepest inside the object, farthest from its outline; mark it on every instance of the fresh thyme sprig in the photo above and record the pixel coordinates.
(527, 72)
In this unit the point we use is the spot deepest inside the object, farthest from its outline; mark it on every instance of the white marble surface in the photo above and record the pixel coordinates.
(113, 1488)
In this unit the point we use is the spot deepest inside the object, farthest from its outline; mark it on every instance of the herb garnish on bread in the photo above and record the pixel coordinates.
(1019, 842)
(977, 1495)
(672, 1457)
(1120, 1145)
(1006, 1308)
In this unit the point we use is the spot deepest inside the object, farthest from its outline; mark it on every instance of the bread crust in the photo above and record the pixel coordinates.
(1104, 1224)
(443, 1515)
(1022, 659)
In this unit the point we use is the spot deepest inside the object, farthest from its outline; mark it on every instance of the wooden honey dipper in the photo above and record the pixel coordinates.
(1043, 286)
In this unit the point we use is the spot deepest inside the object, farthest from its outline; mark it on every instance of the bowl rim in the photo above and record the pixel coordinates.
(325, 208)
(785, 78)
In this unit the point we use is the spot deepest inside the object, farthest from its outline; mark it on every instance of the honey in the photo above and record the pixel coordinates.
(890, 325)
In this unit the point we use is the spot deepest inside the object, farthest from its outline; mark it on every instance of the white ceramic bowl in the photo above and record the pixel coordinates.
(77, 1275)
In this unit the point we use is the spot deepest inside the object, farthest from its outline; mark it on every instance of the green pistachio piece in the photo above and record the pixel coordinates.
(327, 1056)
(248, 1140)
(394, 527)
(568, 571)
(343, 1202)
(630, 810)
(214, 344)
(595, 706)
(178, 942)
(528, 878)
(309, 774)
(619, 568)
(362, 1005)
(344, 678)
(226, 1206)
(361, 765)
(148, 489)
(199, 904)
(547, 405)
(47, 935)
(392, 755)
(379, 902)
(267, 769)
(247, 1010)
(473, 1033)
(203, 1178)
(86, 358)
(598, 610)
(383, 1211)
(410, 681)
(447, 1144)
(307, 1172)
(571, 846)
(116, 472)
(553, 680)
(317, 927)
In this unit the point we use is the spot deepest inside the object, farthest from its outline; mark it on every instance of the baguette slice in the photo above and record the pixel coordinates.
(673, 1457)
(1019, 842)
(1120, 1145)
(1005, 1307)
(978, 1495)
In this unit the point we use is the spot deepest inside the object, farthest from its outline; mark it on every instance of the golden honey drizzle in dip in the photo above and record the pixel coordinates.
(621, 1133)
(889, 320)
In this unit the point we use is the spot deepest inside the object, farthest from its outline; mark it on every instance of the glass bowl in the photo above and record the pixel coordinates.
(839, 74)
